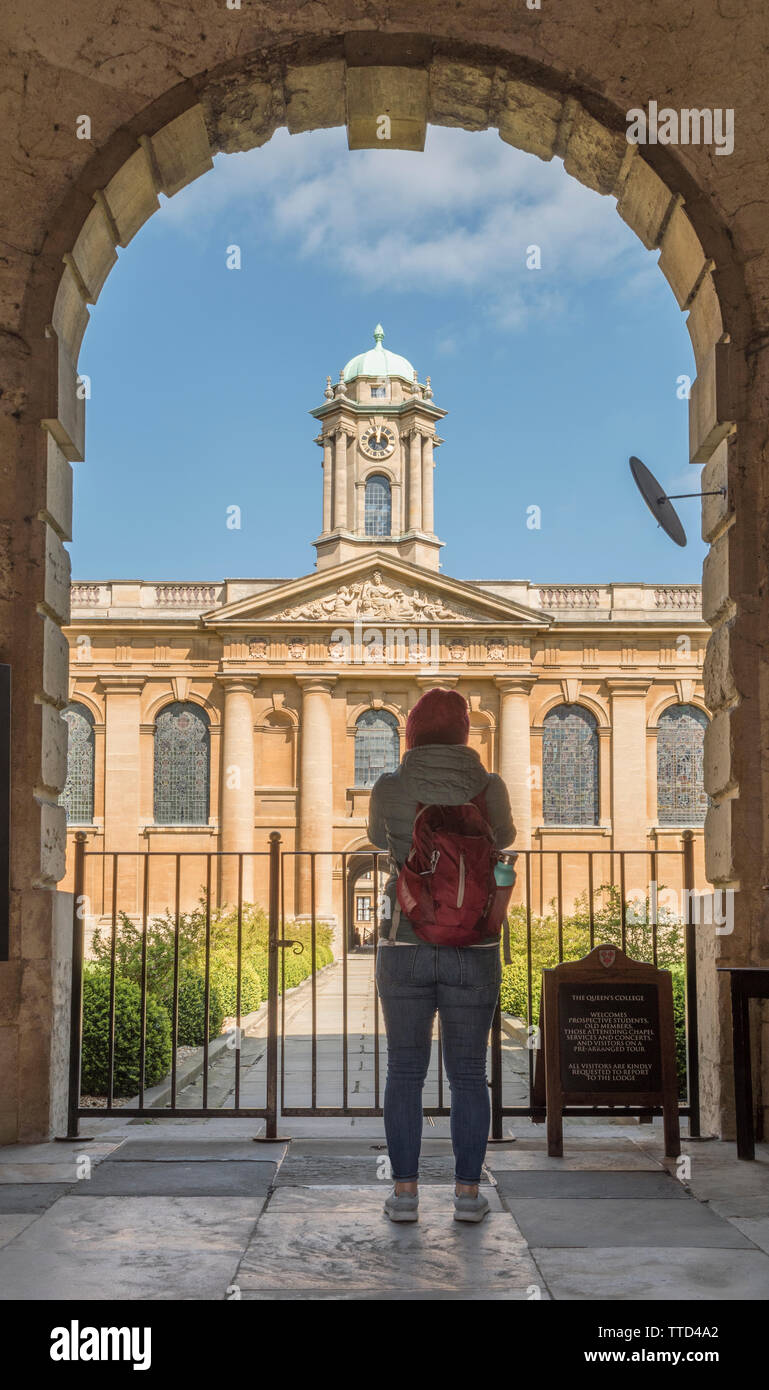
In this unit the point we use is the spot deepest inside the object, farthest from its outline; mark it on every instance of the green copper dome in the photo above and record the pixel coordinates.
(378, 362)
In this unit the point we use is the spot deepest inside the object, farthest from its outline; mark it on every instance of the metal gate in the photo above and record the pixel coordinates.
(261, 1058)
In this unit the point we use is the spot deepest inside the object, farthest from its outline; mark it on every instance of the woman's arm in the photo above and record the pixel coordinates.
(500, 813)
(376, 828)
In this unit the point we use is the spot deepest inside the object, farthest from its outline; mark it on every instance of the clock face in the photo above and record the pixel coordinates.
(377, 441)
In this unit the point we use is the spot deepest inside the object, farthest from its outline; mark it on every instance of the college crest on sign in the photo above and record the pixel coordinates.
(607, 956)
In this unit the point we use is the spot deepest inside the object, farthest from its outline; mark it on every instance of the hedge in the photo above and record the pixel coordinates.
(95, 1057)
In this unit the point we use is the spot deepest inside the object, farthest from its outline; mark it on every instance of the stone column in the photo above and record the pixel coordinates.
(515, 751)
(122, 785)
(340, 479)
(628, 763)
(415, 481)
(316, 777)
(428, 467)
(237, 783)
(328, 464)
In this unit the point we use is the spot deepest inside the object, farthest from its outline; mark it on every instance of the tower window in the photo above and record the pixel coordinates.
(378, 507)
(379, 393)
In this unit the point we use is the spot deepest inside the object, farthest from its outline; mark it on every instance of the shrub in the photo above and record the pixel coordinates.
(224, 974)
(192, 1010)
(95, 1063)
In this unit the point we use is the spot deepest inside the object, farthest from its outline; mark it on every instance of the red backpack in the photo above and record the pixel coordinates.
(446, 887)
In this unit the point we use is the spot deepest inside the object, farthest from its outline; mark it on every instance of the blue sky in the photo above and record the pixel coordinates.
(202, 377)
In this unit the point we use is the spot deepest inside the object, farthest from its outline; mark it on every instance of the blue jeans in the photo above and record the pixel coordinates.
(462, 983)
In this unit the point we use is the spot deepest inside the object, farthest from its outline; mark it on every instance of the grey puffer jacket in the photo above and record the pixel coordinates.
(436, 774)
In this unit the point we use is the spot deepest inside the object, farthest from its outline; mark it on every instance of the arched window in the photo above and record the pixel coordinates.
(377, 746)
(378, 509)
(182, 765)
(570, 767)
(681, 797)
(77, 797)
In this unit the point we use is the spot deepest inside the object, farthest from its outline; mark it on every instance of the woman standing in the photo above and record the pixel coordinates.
(415, 979)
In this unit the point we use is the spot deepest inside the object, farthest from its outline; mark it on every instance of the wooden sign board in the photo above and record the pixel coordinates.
(606, 1038)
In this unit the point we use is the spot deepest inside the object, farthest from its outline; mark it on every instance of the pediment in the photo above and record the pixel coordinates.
(373, 590)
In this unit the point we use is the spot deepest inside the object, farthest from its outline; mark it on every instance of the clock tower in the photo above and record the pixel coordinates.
(378, 436)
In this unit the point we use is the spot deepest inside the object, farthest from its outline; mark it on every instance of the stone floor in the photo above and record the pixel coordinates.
(182, 1208)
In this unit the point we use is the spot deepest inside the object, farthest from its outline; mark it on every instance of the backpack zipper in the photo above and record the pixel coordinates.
(461, 888)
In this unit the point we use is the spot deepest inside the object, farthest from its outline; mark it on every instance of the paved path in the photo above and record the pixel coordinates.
(365, 1049)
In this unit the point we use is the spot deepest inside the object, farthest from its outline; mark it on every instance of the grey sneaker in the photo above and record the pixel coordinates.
(402, 1208)
(470, 1208)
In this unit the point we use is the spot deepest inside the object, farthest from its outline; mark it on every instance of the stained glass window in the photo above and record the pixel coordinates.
(182, 762)
(681, 797)
(377, 746)
(378, 509)
(77, 796)
(570, 767)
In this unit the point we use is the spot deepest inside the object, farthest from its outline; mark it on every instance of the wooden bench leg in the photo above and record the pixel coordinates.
(743, 1087)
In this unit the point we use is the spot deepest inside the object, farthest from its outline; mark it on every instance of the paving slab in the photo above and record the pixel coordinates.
(192, 1151)
(756, 1228)
(30, 1196)
(306, 1250)
(54, 1153)
(668, 1273)
(467, 1295)
(593, 1222)
(354, 1170)
(42, 1172)
(433, 1201)
(128, 1248)
(609, 1186)
(519, 1159)
(11, 1225)
(174, 1178)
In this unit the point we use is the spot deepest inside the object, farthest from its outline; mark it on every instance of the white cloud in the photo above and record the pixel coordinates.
(458, 217)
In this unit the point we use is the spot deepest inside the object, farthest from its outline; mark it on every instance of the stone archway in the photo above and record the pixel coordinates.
(166, 143)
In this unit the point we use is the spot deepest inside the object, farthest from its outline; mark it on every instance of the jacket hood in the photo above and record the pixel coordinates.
(443, 774)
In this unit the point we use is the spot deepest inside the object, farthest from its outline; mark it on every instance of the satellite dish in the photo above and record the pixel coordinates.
(659, 505)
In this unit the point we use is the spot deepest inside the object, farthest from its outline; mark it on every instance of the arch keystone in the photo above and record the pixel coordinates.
(398, 93)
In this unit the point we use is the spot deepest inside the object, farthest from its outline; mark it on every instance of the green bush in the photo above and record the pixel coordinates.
(192, 1010)
(95, 1063)
(224, 974)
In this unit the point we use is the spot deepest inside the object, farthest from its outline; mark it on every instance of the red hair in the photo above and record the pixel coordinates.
(440, 716)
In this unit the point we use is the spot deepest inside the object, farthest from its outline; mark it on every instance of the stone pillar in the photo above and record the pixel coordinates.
(328, 465)
(316, 776)
(122, 785)
(628, 763)
(237, 783)
(428, 467)
(515, 751)
(415, 481)
(340, 479)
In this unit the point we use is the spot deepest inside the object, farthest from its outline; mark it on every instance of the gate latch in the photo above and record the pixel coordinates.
(291, 941)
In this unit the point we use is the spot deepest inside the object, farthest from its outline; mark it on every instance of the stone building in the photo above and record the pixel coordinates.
(202, 716)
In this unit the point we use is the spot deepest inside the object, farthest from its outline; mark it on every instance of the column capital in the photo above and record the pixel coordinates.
(118, 684)
(310, 684)
(515, 685)
(235, 682)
